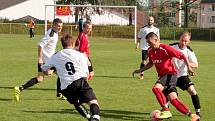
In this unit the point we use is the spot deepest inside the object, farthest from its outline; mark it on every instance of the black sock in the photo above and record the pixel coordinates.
(94, 108)
(196, 102)
(29, 83)
(58, 85)
(82, 110)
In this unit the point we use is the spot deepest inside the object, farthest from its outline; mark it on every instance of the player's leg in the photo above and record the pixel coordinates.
(185, 83)
(157, 90)
(94, 109)
(72, 93)
(29, 83)
(59, 95)
(195, 99)
(87, 95)
(144, 58)
(181, 107)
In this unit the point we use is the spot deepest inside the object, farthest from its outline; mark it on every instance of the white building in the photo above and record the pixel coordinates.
(15, 9)
(206, 14)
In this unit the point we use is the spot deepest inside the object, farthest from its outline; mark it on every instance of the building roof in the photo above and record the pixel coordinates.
(207, 1)
(8, 3)
(27, 18)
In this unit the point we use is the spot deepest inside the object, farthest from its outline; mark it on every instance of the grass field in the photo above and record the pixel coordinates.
(121, 97)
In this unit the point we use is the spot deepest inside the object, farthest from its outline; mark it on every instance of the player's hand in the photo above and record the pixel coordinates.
(191, 73)
(50, 72)
(135, 72)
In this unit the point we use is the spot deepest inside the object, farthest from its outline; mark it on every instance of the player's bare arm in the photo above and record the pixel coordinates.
(40, 60)
(190, 70)
(146, 67)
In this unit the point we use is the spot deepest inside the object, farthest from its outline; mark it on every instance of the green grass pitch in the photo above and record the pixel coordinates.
(121, 97)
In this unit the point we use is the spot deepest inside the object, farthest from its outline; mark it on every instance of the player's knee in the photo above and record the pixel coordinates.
(191, 90)
(93, 102)
(40, 78)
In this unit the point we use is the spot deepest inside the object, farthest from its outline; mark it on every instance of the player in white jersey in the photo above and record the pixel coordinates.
(184, 81)
(46, 48)
(72, 69)
(141, 40)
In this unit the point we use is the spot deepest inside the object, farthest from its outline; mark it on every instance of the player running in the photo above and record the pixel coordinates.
(46, 48)
(184, 81)
(161, 56)
(72, 69)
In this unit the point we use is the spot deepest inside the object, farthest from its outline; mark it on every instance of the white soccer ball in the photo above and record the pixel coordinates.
(26, 24)
(154, 115)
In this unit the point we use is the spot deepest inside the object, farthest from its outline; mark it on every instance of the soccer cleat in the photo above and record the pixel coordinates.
(165, 115)
(17, 93)
(194, 117)
(60, 96)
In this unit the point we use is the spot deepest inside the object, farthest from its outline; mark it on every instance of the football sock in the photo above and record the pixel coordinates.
(180, 106)
(160, 97)
(82, 110)
(58, 85)
(94, 108)
(196, 102)
(29, 83)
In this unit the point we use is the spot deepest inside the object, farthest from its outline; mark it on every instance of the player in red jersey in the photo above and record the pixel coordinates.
(161, 56)
(82, 45)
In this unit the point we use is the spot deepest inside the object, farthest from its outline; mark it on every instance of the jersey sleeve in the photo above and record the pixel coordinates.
(49, 64)
(44, 41)
(158, 33)
(192, 57)
(139, 34)
(172, 52)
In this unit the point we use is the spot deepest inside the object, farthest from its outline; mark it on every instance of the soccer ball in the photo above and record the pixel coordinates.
(26, 24)
(154, 115)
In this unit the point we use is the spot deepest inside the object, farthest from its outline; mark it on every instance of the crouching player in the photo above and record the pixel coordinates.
(72, 69)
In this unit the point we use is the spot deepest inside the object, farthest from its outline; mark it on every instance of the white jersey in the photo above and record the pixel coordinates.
(48, 44)
(180, 66)
(70, 65)
(142, 35)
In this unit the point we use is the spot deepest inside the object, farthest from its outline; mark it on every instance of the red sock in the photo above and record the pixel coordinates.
(160, 97)
(180, 106)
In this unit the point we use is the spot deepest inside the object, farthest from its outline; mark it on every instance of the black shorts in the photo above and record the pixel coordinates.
(169, 82)
(79, 90)
(184, 82)
(144, 54)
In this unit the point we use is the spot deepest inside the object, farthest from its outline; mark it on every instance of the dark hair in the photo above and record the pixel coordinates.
(66, 40)
(150, 35)
(57, 20)
(87, 22)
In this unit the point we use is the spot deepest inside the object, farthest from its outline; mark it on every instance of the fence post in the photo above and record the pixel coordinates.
(111, 29)
(10, 28)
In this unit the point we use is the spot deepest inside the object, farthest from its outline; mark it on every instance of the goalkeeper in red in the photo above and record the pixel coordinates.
(161, 56)
(72, 69)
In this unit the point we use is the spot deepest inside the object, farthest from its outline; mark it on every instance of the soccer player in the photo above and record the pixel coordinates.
(141, 41)
(31, 26)
(82, 45)
(46, 48)
(184, 81)
(72, 69)
(161, 56)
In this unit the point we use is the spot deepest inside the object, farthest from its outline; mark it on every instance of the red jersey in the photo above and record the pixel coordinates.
(82, 43)
(162, 59)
